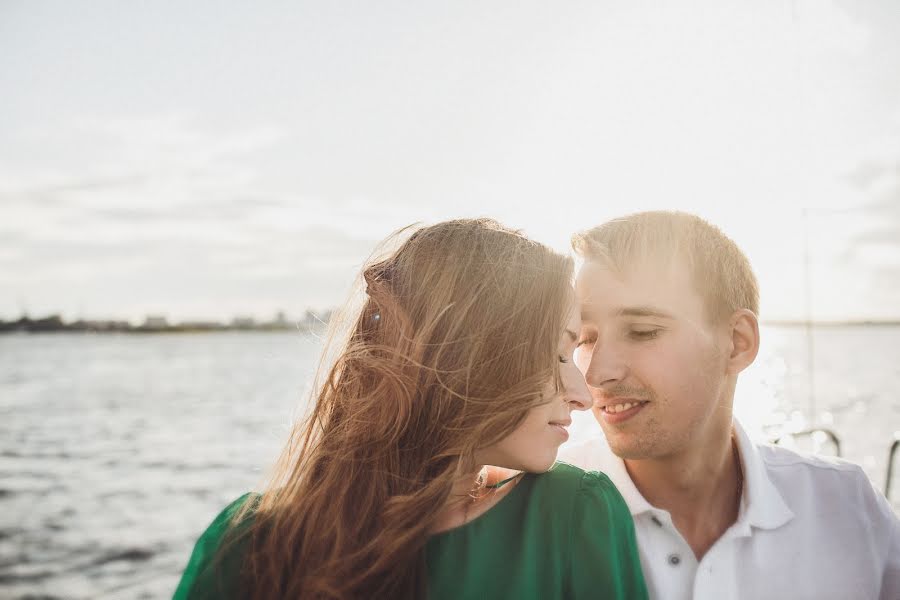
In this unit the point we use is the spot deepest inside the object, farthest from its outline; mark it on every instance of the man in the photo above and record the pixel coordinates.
(669, 311)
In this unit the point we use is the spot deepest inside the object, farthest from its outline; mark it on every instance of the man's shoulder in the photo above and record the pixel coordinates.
(778, 459)
(806, 478)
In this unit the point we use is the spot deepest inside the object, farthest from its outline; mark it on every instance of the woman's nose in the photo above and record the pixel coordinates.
(576, 392)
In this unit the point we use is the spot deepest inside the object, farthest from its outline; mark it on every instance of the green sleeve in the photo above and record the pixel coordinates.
(604, 556)
(197, 575)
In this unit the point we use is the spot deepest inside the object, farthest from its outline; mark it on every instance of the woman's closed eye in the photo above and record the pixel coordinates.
(585, 341)
(643, 334)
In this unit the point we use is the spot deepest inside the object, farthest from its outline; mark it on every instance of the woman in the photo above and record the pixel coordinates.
(460, 357)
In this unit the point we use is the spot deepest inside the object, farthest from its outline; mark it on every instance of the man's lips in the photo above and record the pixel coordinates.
(619, 410)
(617, 405)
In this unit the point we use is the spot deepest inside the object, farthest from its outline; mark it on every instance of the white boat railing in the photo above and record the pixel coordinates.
(831, 435)
(890, 464)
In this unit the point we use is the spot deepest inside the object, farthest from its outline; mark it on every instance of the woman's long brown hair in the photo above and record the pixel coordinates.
(455, 342)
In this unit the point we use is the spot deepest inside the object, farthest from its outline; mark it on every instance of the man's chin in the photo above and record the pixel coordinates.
(629, 449)
(626, 455)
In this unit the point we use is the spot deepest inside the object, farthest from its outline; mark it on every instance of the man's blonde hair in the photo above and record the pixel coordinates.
(720, 271)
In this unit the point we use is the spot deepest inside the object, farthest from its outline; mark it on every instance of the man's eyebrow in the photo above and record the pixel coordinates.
(642, 311)
(572, 335)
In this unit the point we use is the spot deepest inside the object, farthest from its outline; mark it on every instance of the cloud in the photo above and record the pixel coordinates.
(543, 124)
(871, 175)
(877, 246)
(88, 155)
(824, 26)
(128, 172)
(186, 277)
(156, 210)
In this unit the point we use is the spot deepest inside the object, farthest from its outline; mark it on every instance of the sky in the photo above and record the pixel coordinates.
(212, 159)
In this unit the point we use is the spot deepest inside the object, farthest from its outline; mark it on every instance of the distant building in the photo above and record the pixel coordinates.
(243, 323)
(155, 322)
(99, 326)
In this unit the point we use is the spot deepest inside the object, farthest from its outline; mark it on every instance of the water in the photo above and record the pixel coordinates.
(117, 450)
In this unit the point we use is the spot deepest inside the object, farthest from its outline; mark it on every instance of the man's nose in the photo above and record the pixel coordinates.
(606, 365)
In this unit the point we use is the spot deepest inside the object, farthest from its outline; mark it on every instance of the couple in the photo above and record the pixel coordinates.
(472, 349)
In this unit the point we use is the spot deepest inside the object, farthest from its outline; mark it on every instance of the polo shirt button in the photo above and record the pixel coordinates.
(674, 560)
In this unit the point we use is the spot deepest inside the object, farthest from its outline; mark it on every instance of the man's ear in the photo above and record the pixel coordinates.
(744, 330)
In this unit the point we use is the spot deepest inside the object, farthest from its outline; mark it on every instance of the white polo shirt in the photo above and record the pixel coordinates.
(808, 528)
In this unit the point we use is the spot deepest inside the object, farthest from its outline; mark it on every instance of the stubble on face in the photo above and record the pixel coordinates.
(670, 424)
(680, 371)
(644, 435)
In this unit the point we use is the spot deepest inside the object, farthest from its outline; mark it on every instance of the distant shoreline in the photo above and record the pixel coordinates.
(161, 330)
(312, 323)
(158, 324)
(170, 330)
(862, 323)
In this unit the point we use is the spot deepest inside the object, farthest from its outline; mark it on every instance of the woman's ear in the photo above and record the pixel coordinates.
(744, 330)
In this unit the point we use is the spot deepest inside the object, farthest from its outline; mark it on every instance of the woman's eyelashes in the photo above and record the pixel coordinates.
(585, 339)
(643, 334)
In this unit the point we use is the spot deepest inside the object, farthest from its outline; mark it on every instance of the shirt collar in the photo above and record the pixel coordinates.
(762, 505)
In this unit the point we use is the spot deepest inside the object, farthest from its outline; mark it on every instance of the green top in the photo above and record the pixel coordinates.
(561, 534)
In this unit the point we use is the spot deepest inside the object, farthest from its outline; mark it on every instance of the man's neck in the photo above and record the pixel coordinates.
(699, 487)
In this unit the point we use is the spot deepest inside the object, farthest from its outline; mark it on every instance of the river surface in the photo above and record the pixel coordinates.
(116, 451)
